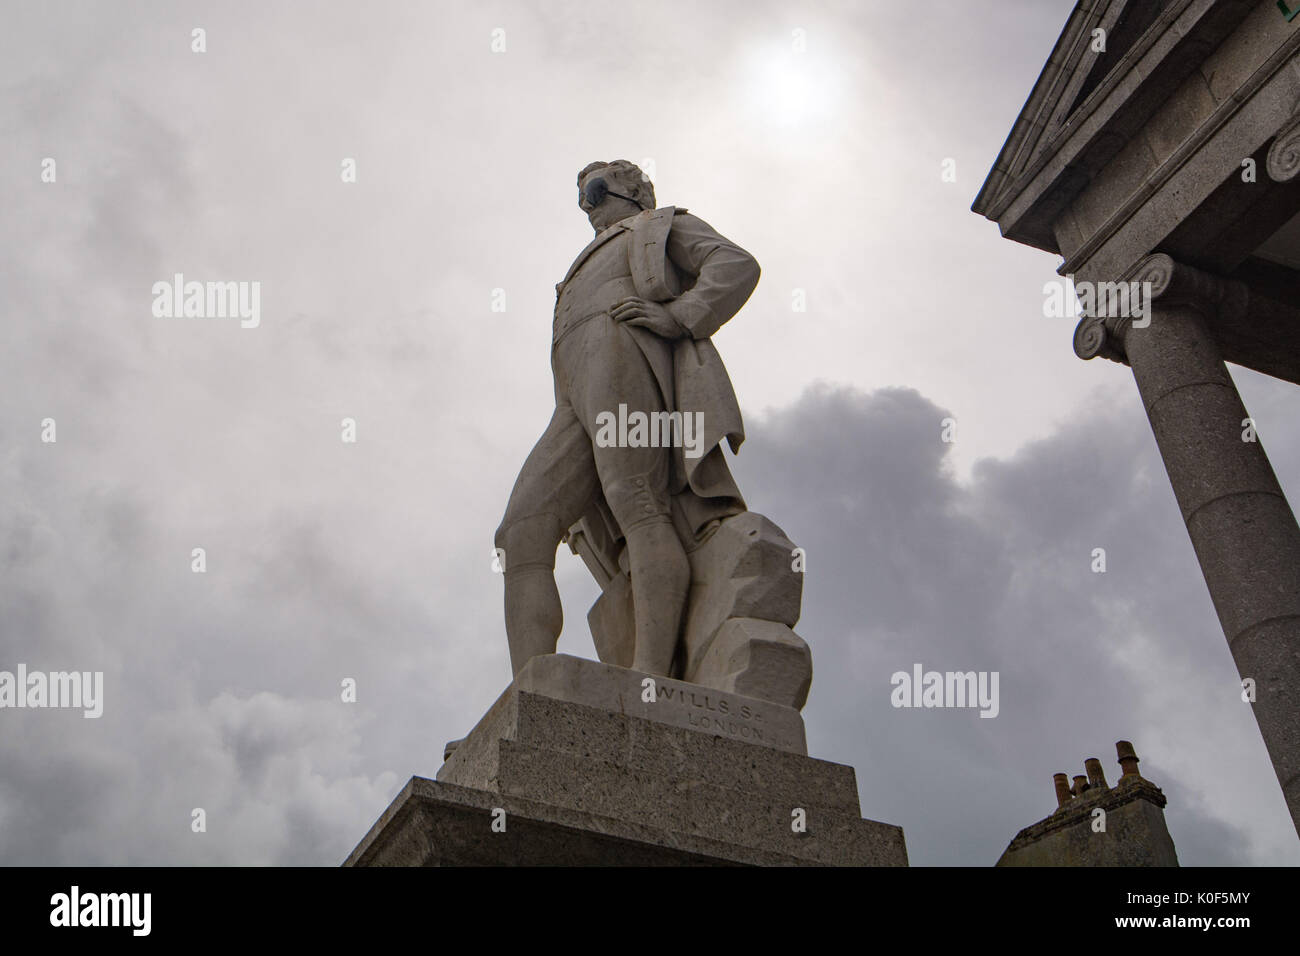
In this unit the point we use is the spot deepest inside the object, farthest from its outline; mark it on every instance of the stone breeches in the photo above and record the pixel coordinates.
(597, 366)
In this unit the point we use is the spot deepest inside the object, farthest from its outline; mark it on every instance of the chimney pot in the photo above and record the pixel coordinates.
(1096, 776)
(1063, 794)
(1128, 761)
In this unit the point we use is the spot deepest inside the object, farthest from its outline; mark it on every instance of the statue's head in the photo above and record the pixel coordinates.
(609, 192)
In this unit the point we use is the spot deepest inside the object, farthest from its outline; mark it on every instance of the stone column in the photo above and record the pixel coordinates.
(1245, 535)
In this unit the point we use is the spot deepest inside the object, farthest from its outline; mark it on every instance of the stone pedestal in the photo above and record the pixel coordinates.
(576, 767)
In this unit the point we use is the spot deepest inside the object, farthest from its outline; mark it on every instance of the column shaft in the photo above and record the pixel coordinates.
(1245, 535)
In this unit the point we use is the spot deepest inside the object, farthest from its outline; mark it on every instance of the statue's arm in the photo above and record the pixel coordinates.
(725, 275)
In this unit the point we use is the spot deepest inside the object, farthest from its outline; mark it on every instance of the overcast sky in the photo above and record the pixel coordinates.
(328, 560)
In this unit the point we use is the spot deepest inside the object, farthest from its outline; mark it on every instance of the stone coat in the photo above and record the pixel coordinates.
(704, 279)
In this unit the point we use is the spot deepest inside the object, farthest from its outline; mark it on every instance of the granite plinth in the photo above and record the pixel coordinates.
(589, 773)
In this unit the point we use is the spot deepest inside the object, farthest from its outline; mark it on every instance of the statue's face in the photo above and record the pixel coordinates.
(612, 208)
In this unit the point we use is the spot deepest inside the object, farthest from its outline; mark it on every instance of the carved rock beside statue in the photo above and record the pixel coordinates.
(745, 597)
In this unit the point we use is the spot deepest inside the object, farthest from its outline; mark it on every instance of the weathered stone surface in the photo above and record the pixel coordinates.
(692, 803)
(572, 744)
(1269, 654)
(670, 752)
(1178, 118)
(1227, 68)
(613, 623)
(436, 824)
(610, 697)
(744, 570)
(760, 659)
(1099, 825)
(619, 690)
(1245, 535)
(1135, 833)
(1249, 549)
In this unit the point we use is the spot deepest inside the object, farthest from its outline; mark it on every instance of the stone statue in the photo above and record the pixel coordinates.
(630, 471)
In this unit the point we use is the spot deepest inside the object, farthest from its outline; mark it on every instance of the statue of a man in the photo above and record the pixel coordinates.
(633, 318)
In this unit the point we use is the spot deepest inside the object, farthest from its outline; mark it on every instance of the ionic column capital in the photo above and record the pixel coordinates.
(1092, 338)
(1158, 277)
(1283, 162)
(1176, 283)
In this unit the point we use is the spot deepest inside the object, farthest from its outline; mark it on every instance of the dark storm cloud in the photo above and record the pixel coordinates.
(906, 565)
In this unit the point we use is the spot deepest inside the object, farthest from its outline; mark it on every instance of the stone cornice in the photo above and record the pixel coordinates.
(1018, 153)
(1023, 194)
(1032, 146)
(1181, 156)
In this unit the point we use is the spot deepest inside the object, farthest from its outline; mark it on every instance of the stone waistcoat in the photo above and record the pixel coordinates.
(603, 279)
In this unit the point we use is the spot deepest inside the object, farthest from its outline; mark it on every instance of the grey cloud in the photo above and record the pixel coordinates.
(907, 565)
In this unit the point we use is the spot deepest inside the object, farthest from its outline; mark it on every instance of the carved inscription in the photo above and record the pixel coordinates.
(711, 711)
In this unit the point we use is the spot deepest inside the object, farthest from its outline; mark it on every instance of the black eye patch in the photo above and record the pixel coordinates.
(596, 191)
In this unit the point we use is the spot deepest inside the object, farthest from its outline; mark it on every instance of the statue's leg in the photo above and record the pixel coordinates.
(553, 489)
(635, 481)
(661, 573)
(534, 615)
(661, 578)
